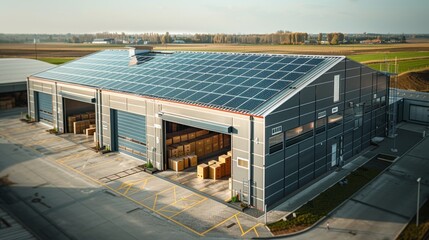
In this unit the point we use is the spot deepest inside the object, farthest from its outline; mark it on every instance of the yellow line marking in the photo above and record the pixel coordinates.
(175, 199)
(250, 229)
(203, 189)
(227, 199)
(239, 224)
(173, 203)
(154, 202)
(129, 198)
(217, 225)
(190, 206)
(256, 232)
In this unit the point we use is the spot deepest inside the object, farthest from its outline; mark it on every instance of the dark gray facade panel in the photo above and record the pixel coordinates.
(273, 173)
(305, 179)
(273, 158)
(291, 187)
(282, 116)
(291, 165)
(306, 118)
(272, 189)
(307, 143)
(320, 150)
(325, 90)
(307, 95)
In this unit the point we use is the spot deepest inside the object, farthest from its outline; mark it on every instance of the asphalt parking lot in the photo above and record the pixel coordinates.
(115, 174)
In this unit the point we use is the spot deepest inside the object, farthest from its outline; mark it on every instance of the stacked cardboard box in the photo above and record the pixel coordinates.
(90, 117)
(215, 171)
(226, 160)
(7, 102)
(80, 126)
(203, 171)
(182, 162)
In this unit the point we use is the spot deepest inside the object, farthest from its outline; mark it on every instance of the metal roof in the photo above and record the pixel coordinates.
(10, 229)
(240, 82)
(16, 70)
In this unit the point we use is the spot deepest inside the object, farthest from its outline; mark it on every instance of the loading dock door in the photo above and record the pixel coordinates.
(131, 134)
(419, 113)
(44, 105)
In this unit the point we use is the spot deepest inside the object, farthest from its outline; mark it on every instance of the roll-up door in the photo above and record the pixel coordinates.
(44, 105)
(131, 134)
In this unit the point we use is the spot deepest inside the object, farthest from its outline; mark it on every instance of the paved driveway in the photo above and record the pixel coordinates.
(82, 194)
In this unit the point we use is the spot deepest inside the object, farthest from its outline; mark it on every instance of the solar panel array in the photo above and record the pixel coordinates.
(238, 82)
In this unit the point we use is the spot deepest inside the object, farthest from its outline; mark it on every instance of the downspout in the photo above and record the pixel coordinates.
(56, 107)
(250, 170)
(28, 97)
(100, 118)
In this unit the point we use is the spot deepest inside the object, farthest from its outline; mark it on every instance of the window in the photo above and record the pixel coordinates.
(336, 88)
(244, 163)
(276, 143)
(320, 125)
(334, 120)
(298, 134)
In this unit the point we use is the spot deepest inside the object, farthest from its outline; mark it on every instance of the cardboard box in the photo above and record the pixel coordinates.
(208, 149)
(215, 171)
(89, 131)
(222, 169)
(208, 141)
(203, 171)
(92, 126)
(226, 140)
(180, 151)
(215, 147)
(84, 116)
(199, 152)
(191, 135)
(185, 161)
(184, 137)
(174, 152)
(211, 162)
(176, 139)
(193, 159)
(187, 148)
(177, 164)
(221, 145)
(225, 159)
(200, 133)
(169, 141)
(229, 153)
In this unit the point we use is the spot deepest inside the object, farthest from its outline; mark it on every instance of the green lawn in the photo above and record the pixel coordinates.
(56, 60)
(390, 55)
(320, 206)
(403, 66)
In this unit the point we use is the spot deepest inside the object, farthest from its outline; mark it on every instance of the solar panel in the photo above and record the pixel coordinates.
(240, 82)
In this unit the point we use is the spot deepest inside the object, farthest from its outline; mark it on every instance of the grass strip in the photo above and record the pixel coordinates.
(314, 210)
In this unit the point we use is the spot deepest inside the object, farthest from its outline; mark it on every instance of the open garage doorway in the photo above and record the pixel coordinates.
(198, 158)
(79, 120)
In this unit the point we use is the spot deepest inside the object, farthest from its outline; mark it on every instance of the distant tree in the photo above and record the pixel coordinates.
(166, 38)
(334, 40)
(319, 38)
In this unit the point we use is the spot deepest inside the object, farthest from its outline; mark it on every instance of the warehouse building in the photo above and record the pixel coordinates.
(285, 119)
(13, 80)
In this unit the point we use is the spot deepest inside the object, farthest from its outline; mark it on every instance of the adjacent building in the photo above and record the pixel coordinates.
(290, 119)
(13, 80)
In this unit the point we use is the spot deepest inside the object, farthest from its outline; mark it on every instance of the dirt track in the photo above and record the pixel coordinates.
(418, 81)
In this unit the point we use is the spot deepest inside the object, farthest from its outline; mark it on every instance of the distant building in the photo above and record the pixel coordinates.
(103, 41)
(371, 41)
(179, 41)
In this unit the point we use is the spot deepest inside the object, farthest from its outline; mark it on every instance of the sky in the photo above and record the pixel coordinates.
(214, 16)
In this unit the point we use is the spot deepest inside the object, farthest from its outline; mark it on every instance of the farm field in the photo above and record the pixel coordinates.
(411, 56)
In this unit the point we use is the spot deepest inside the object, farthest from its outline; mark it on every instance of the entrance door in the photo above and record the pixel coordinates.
(44, 105)
(131, 134)
(334, 155)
